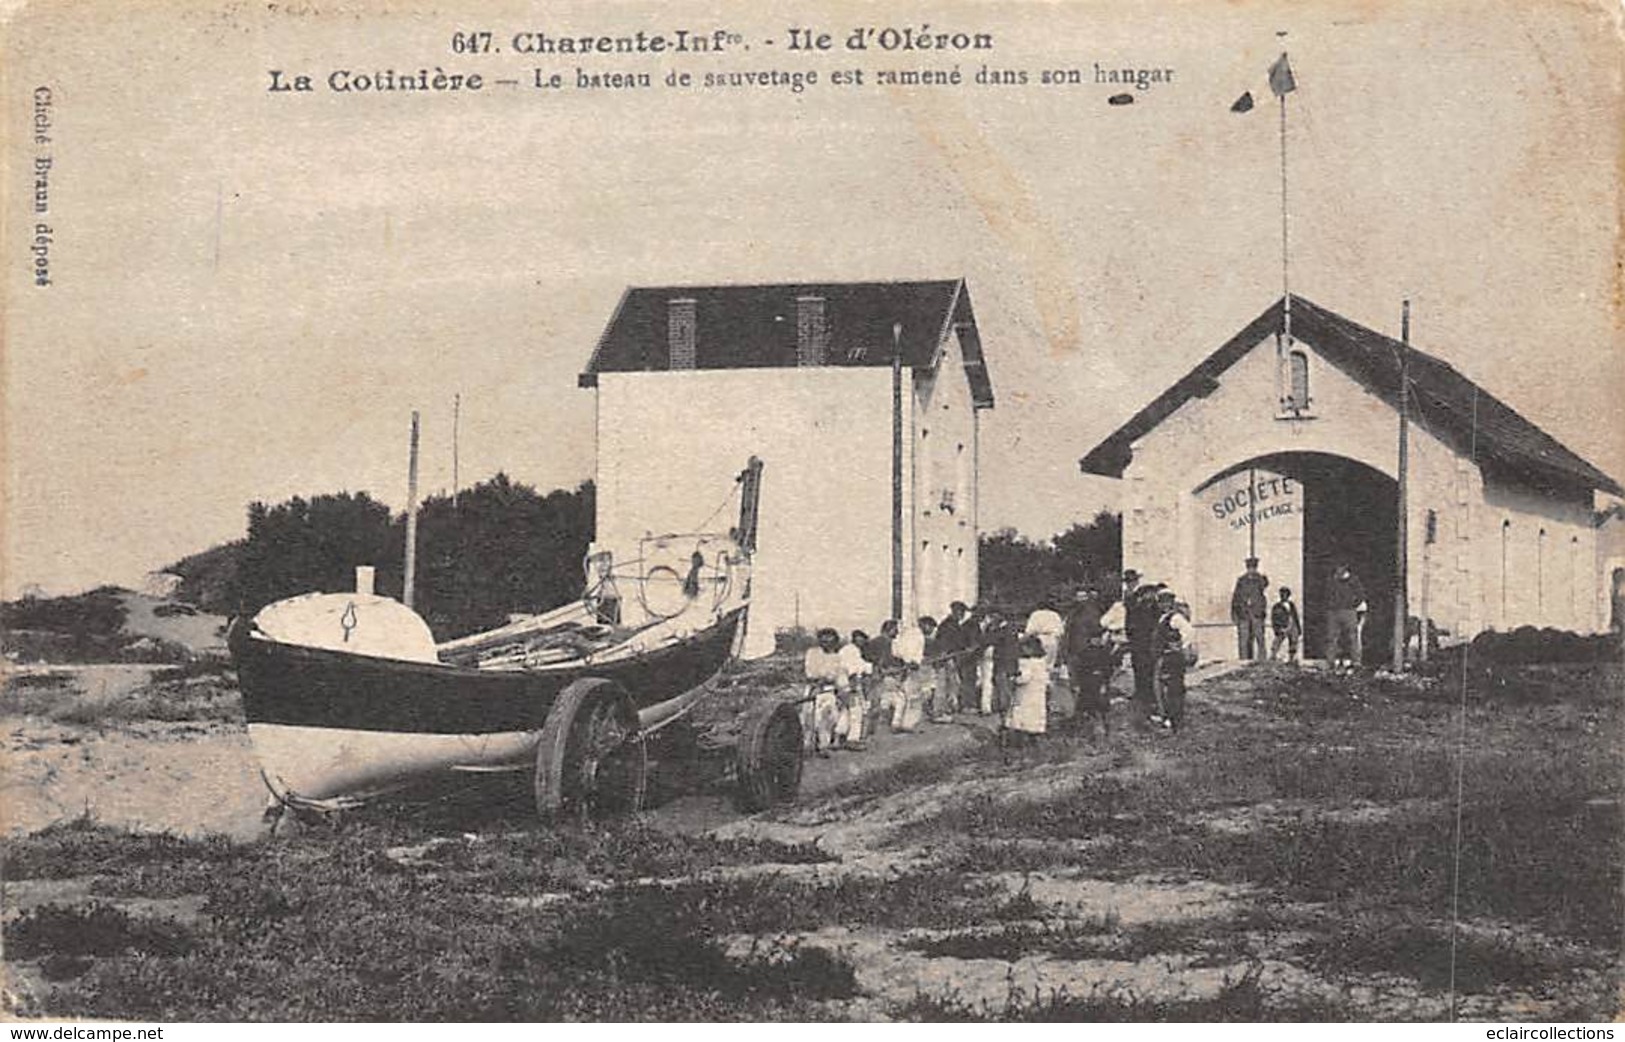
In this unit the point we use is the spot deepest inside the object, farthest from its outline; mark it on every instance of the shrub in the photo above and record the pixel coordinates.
(96, 929)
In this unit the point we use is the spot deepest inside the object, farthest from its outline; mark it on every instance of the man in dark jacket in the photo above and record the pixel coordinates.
(1345, 610)
(1142, 617)
(952, 639)
(1088, 660)
(1249, 603)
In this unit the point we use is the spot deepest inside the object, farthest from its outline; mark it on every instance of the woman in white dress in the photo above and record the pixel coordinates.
(1029, 709)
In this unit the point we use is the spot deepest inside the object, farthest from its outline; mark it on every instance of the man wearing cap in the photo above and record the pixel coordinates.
(1135, 616)
(953, 639)
(1174, 642)
(1249, 603)
(1088, 659)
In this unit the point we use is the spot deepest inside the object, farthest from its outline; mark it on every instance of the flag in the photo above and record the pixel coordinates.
(1243, 103)
(1281, 81)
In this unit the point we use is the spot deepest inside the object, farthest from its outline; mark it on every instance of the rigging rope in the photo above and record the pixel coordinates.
(732, 492)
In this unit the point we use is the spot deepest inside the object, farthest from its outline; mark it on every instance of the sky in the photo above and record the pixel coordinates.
(253, 291)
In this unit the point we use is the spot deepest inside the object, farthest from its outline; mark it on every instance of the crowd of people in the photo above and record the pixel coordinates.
(983, 662)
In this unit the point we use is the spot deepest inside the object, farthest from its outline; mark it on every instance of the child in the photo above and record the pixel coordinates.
(1288, 628)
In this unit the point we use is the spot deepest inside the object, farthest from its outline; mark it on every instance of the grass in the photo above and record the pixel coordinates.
(1532, 849)
(97, 929)
(1329, 807)
(203, 691)
(1213, 941)
(316, 928)
(332, 925)
(1240, 999)
(149, 863)
(35, 694)
(1375, 944)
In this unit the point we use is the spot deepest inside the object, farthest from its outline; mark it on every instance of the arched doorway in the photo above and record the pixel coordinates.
(1301, 514)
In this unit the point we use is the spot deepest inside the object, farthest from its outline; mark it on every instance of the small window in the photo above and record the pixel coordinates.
(1297, 399)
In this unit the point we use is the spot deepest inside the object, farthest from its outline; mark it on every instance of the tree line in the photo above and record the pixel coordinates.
(1018, 573)
(497, 548)
(501, 547)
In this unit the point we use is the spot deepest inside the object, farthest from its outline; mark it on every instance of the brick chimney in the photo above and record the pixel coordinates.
(812, 331)
(680, 328)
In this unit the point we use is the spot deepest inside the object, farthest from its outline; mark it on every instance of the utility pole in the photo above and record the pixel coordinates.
(1401, 602)
(1252, 512)
(1429, 536)
(411, 517)
(456, 425)
(897, 472)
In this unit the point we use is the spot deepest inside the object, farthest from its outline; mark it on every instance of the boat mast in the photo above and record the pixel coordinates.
(750, 500)
(411, 517)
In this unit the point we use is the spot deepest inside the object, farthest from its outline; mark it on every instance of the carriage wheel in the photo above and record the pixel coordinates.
(591, 761)
(769, 765)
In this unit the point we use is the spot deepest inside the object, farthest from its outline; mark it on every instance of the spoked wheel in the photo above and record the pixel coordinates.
(769, 765)
(591, 761)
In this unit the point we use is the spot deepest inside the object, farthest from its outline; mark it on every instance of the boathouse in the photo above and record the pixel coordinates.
(1282, 445)
(863, 401)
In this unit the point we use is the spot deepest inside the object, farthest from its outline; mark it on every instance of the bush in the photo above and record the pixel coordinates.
(98, 613)
(1527, 645)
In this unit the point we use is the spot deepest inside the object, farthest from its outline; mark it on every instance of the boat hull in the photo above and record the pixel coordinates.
(330, 726)
(342, 766)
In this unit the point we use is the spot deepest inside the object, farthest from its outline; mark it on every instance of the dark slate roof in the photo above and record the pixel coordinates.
(753, 327)
(1505, 442)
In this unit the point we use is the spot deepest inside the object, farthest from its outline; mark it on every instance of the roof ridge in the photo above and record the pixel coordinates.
(1349, 345)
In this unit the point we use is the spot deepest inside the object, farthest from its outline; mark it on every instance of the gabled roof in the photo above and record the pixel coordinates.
(1452, 404)
(754, 327)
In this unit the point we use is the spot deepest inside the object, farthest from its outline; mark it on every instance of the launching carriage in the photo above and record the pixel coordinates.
(348, 696)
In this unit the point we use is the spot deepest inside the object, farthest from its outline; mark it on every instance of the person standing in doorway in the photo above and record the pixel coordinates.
(1345, 610)
(1249, 603)
(1287, 626)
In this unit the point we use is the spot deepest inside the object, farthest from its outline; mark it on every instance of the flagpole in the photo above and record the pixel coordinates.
(1286, 284)
(1401, 562)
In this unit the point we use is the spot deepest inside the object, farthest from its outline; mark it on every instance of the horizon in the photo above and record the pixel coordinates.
(253, 292)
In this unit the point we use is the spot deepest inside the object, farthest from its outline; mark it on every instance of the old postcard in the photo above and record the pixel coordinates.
(1002, 511)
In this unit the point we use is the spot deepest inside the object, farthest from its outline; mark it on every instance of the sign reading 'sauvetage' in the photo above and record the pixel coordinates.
(1266, 497)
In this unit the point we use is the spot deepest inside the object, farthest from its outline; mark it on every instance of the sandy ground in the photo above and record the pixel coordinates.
(201, 632)
(198, 778)
(192, 778)
(184, 778)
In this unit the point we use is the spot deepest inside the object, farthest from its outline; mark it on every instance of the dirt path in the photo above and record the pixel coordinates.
(201, 778)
